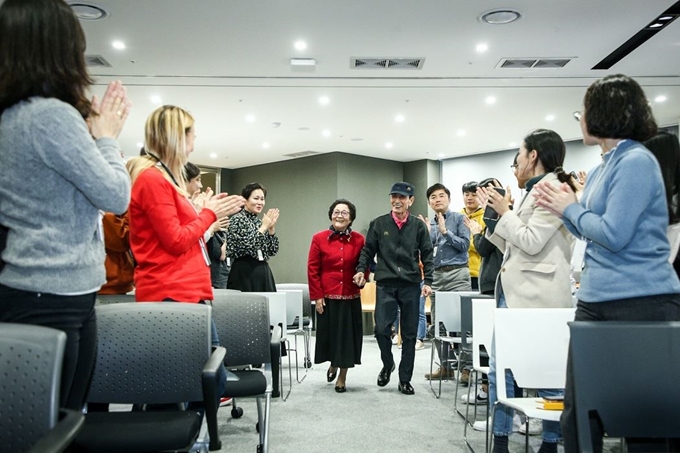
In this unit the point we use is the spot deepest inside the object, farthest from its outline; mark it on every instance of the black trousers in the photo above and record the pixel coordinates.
(664, 307)
(75, 316)
(388, 299)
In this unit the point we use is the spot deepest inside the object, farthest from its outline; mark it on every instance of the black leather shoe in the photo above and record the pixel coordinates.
(384, 376)
(406, 388)
(340, 388)
(330, 376)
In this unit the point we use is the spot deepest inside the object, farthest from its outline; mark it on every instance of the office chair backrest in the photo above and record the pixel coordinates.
(306, 301)
(533, 343)
(30, 377)
(105, 299)
(447, 311)
(631, 401)
(482, 325)
(150, 352)
(242, 322)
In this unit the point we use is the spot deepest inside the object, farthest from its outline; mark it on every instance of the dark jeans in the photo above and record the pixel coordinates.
(664, 307)
(75, 316)
(388, 299)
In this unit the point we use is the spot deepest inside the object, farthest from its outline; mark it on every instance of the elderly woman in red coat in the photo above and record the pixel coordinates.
(333, 257)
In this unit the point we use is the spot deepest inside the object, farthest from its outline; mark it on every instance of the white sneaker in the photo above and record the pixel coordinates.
(420, 345)
(480, 398)
(481, 424)
(535, 427)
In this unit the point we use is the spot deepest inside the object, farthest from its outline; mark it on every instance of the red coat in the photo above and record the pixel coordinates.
(331, 265)
(165, 231)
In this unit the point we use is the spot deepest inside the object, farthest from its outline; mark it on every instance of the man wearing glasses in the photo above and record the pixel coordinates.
(400, 240)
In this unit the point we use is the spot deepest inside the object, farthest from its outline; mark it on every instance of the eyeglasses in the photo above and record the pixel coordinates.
(577, 115)
(513, 166)
(341, 213)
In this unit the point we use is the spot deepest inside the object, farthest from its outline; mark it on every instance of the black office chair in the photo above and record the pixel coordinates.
(153, 354)
(30, 418)
(621, 399)
(243, 327)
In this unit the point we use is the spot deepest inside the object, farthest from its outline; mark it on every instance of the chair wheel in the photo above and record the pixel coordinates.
(257, 427)
(236, 412)
(308, 363)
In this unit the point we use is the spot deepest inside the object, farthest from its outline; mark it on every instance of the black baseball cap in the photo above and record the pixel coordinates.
(403, 188)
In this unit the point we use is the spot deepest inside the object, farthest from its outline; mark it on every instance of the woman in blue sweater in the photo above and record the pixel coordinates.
(622, 221)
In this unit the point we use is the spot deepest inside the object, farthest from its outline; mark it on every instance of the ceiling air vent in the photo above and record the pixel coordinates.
(96, 61)
(302, 154)
(386, 63)
(537, 63)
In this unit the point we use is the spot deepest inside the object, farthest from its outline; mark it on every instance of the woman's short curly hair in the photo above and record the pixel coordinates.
(616, 107)
(350, 205)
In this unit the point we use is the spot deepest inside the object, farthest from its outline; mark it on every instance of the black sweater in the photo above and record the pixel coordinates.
(399, 251)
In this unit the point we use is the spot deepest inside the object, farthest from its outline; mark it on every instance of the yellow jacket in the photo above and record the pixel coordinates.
(474, 261)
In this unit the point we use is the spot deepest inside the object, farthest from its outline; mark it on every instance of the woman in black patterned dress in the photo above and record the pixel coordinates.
(251, 242)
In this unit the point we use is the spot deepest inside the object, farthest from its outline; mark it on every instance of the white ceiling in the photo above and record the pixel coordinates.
(223, 60)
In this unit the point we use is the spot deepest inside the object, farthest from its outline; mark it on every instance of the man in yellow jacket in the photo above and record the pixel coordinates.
(473, 211)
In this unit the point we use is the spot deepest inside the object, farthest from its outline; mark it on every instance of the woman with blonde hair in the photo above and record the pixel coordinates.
(167, 237)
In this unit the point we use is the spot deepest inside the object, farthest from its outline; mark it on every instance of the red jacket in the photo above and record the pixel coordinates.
(331, 265)
(165, 231)
(119, 265)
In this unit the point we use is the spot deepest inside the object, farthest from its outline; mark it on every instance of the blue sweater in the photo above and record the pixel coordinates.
(54, 180)
(623, 218)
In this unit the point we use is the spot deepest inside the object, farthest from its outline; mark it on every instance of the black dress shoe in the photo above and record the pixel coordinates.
(340, 388)
(384, 376)
(331, 376)
(406, 388)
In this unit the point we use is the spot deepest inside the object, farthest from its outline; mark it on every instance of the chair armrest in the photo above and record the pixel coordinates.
(213, 372)
(275, 354)
(60, 437)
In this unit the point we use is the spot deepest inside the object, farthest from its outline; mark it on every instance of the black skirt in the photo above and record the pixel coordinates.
(250, 275)
(339, 333)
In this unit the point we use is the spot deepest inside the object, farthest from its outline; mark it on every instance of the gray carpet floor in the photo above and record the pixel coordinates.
(366, 418)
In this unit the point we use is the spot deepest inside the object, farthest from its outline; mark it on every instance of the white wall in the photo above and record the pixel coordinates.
(458, 171)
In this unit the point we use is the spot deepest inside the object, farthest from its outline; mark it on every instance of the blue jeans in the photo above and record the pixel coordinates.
(502, 425)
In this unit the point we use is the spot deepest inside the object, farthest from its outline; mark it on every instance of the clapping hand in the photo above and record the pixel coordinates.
(108, 116)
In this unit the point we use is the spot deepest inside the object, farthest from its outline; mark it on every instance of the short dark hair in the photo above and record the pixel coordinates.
(551, 152)
(438, 186)
(252, 187)
(350, 205)
(616, 107)
(488, 181)
(42, 53)
(666, 149)
(470, 187)
(191, 171)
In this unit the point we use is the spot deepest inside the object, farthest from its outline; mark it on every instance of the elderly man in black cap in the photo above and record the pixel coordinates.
(400, 240)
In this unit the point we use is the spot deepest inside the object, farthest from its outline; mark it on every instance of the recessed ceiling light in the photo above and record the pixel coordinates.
(324, 100)
(213, 155)
(156, 99)
(461, 132)
(250, 118)
(120, 45)
(660, 98)
(302, 62)
(482, 47)
(265, 145)
(389, 145)
(513, 145)
(85, 11)
(441, 154)
(300, 45)
(500, 16)
(490, 100)
(399, 118)
(326, 133)
(550, 118)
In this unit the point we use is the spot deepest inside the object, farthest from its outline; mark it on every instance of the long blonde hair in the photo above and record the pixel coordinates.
(165, 137)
